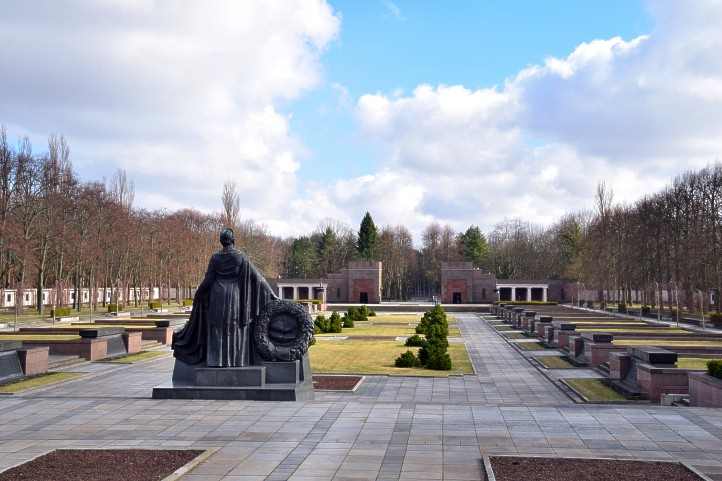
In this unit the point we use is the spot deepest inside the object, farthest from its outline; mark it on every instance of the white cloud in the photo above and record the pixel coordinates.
(634, 112)
(183, 95)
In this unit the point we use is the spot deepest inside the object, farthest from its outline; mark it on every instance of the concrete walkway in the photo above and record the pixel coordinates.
(391, 429)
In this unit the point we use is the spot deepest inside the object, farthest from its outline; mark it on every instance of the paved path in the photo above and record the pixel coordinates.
(391, 429)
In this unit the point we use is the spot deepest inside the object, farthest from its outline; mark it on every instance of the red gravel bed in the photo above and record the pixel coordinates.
(101, 465)
(560, 469)
(335, 383)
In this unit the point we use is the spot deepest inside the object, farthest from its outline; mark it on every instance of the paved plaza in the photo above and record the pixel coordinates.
(391, 428)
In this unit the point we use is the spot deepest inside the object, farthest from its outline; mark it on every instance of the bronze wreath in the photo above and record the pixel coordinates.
(270, 351)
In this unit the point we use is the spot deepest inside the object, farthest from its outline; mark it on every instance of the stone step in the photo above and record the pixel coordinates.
(59, 362)
(604, 368)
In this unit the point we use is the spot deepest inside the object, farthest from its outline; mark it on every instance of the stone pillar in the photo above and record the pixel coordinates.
(295, 293)
(528, 294)
(544, 294)
(513, 294)
(280, 292)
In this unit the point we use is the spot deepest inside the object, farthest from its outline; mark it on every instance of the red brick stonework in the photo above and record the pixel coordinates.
(358, 277)
(474, 285)
(34, 360)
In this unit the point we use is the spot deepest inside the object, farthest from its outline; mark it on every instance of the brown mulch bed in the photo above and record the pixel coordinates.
(101, 465)
(335, 383)
(560, 469)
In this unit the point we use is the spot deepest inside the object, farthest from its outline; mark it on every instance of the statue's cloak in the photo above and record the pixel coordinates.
(231, 297)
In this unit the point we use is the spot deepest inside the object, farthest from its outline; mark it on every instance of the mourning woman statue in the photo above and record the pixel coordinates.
(230, 299)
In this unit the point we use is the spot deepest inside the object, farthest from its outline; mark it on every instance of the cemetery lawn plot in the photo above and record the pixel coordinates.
(554, 362)
(377, 357)
(594, 390)
(389, 325)
(696, 363)
(38, 381)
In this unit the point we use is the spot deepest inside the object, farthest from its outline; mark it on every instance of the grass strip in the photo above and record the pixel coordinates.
(137, 357)
(594, 390)
(554, 362)
(38, 381)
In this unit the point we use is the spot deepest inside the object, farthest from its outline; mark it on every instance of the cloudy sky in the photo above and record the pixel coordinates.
(463, 113)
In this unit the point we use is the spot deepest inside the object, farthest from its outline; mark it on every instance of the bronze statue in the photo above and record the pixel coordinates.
(231, 297)
(241, 341)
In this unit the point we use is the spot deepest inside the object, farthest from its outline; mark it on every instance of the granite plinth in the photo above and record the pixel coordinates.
(10, 367)
(267, 381)
(598, 337)
(100, 332)
(655, 355)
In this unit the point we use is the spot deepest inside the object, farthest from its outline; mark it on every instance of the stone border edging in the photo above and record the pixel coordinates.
(489, 470)
(190, 465)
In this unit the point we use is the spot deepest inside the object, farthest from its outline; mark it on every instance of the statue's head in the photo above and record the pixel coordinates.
(227, 238)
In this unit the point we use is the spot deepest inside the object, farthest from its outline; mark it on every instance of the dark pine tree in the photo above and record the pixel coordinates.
(367, 235)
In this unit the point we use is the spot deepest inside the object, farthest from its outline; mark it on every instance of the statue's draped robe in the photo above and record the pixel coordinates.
(227, 302)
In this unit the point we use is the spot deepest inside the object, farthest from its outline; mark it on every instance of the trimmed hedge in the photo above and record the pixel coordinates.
(187, 302)
(155, 305)
(115, 307)
(714, 368)
(527, 303)
(60, 312)
(622, 308)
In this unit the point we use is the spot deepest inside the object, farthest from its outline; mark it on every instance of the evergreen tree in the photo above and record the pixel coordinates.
(326, 249)
(367, 235)
(303, 260)
(474, 247)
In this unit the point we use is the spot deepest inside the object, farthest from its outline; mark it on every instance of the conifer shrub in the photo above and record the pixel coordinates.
(320, 324)
(347, 321)
(716, 318)
(435, 327)
(115, 307)
(187, 302)
(155, 305)
(415, 341)
(335, 324)
(714, 368)
(407, 359)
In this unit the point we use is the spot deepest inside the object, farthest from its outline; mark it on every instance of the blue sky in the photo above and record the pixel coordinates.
(417, 111)
(471, 43)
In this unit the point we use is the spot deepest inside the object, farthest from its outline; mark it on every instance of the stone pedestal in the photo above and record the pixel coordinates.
(268, 381)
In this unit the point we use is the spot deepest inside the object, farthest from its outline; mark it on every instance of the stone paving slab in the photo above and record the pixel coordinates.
(390, 429)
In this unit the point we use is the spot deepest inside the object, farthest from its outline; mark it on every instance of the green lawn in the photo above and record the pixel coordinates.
(514, 335)
(39, 337)
(530, 346)
(377, 357)
(665, 342)
(698, 363)
(554, 362)
(137, 357)
(389, 325)
(594, 390)
(39, 381)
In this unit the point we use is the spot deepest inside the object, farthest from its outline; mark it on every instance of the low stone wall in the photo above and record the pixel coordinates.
(655, 381)
(704, 390)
